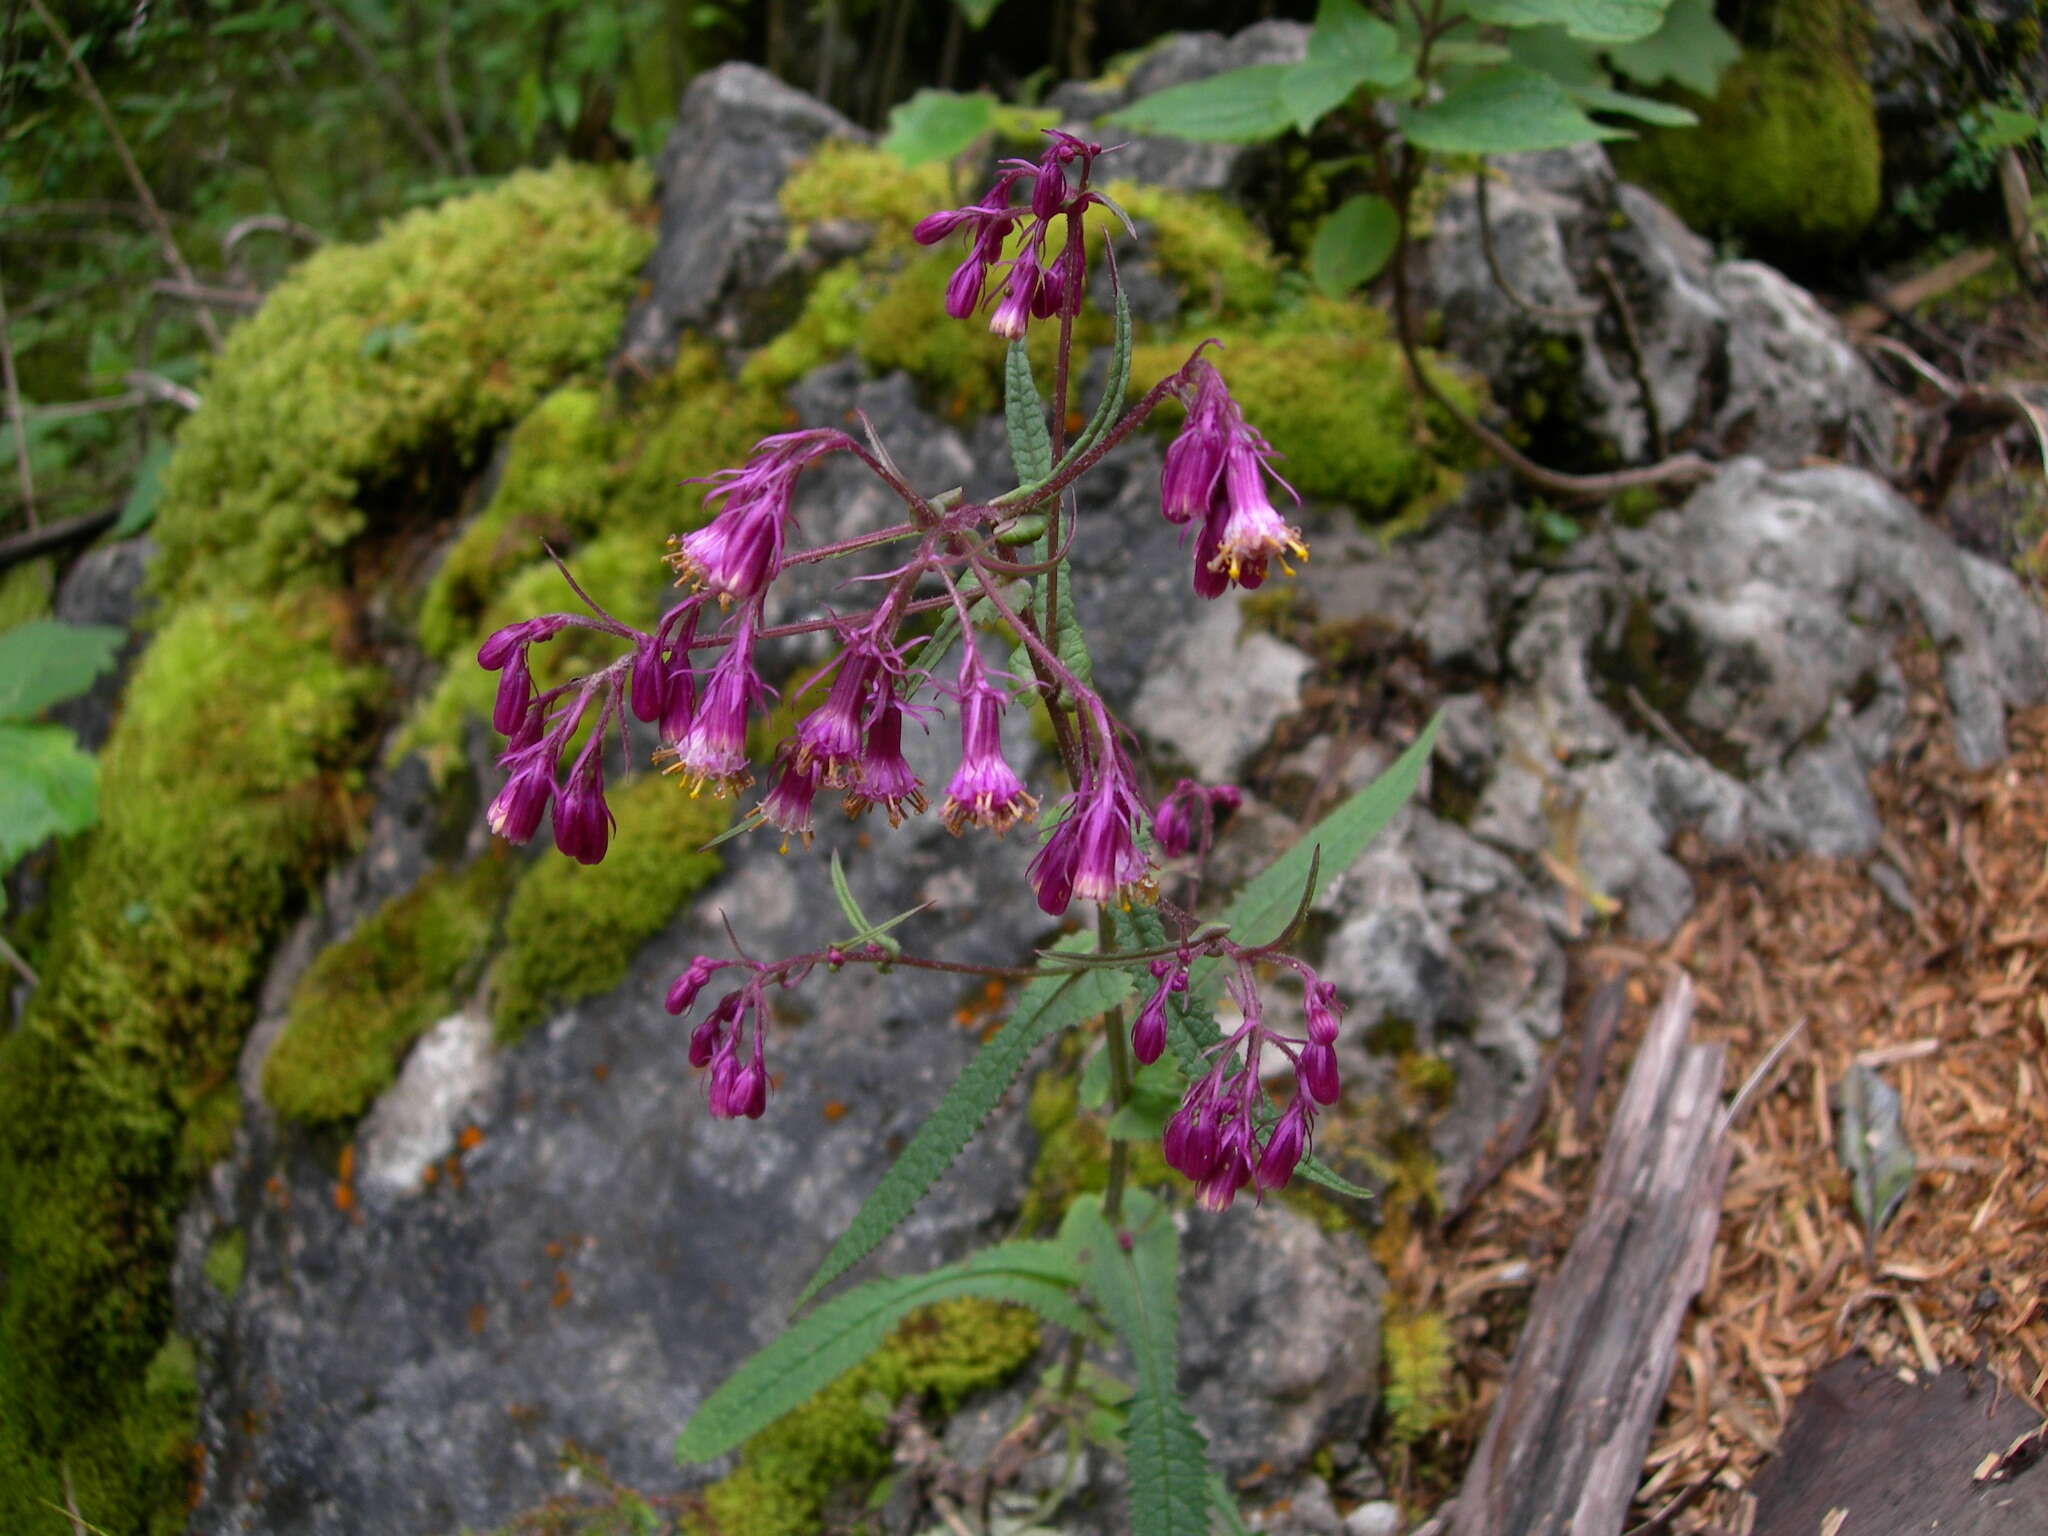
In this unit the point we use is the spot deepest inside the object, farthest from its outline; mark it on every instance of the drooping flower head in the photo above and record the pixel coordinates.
(882, 775)
(737, 553)
(583, 821)
(736, 1086)
(1093, 853)
(1227, 1135)
(1216, 469)
(788, 804)
(1030, 286)
(985, 791)
(504, 652)
(713, 752)
(1186, 819)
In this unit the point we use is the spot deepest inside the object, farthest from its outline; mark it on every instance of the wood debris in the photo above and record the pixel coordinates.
(1946, 994)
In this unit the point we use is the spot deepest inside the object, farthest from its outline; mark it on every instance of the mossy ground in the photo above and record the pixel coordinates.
(571, 930)
(363, 1001)
(370, 361)
(232, 777)
(225, 786)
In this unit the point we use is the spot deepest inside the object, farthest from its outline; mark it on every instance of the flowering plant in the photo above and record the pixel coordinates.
(971, 566)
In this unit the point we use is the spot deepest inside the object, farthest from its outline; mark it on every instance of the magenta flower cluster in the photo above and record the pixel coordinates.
(696, 680)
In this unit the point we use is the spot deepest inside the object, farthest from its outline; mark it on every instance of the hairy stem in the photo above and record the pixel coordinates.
(1119, 1043)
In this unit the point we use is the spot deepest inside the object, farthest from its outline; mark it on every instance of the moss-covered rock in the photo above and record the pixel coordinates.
(364, 1001)
(369, 362)
(572, 930)
(1418, 1395)
(224, 787)
(1785, 155)
(788, 1471)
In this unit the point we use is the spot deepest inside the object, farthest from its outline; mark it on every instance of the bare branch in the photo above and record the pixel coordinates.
(166, 241)
(267, 224)
(13, 386)
(157, 387)
(208, 295)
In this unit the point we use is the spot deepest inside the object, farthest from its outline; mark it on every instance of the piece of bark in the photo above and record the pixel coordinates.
(1901, 1456)
(1563, 1449)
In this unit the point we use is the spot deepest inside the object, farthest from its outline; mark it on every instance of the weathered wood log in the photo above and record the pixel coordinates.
(1563, 1448)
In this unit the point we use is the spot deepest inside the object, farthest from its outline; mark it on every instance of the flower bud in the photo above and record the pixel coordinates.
(1289, 1139)
(1318, 1073)
(583, 821)
(1320, 1005)
(1148, 1035)
(682, 993)
(749, 1095)
(649, 696)
(516, 811)
(704, 1041)
(515, 693)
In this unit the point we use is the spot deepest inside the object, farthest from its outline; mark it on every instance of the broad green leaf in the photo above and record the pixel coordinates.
(1576, 66)
(1046, 1006)
(1238, 106)
(1133, 1271)
(1352, 244)
(1597, 21)
(139, 510)
(1024, 414)
(1873, 1148)
(46, 661)
(937, 125)
(1348, 48)
(977, 12)
(2003, 126)
(1690, 49)
(48, 788)
(1501, 112)
(822, 1347)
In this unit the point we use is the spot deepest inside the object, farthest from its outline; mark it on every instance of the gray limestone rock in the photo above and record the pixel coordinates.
(1736, 358)
(722, 256)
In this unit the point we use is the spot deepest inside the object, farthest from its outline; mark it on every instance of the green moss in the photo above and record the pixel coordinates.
(607, 487)
(1225, 268)
(26, 591)
(1427, 1079)
(224, 787)
(226, 1257)
(854, 181)
(1785, 154)
(369, 363)
(363, 1001)
(938, 1356)
(1325, 383)
(572, 930)
(1417, 1350)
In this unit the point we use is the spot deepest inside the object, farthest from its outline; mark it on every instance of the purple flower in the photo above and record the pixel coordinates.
(829, 737)
(882, 776)
(1285, 1144)
(1012, 316)
(1148, 1033)
(649, 694)
(735, 1088)
(583, 821)
(739, 551)
(682, 993)
(1319, 1003)
(504, 652)
(713, 753)
(985, 791)
(1186, 818)
(788, 804)
(1318, 1073)
(516, 811)
(1216, 469)
(1093, 853)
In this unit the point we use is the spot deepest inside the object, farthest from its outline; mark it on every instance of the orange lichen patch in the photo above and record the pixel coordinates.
(345, 1165)
(834, 1109)
(555, 1248)
(600, 1072)
(430, 1175)
(344, 1197)
(479, 1316)
(470, 1138)
(1943, 989)
(563, 1295)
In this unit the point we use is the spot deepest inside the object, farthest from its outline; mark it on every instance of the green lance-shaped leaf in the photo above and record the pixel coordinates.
(820, 1348)
(1594, 21)
(1873, 1148)
(1269, 899)
(1047, 1005)
(1024, 413)
(1132, 1270)
(1348, 48)
(48, 788)
(1690, 49)
(937, 125)
(1502, 111)
(139, 510)
(1238, 106)
(45, 661)
(1352, 244)
(1577, 66)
